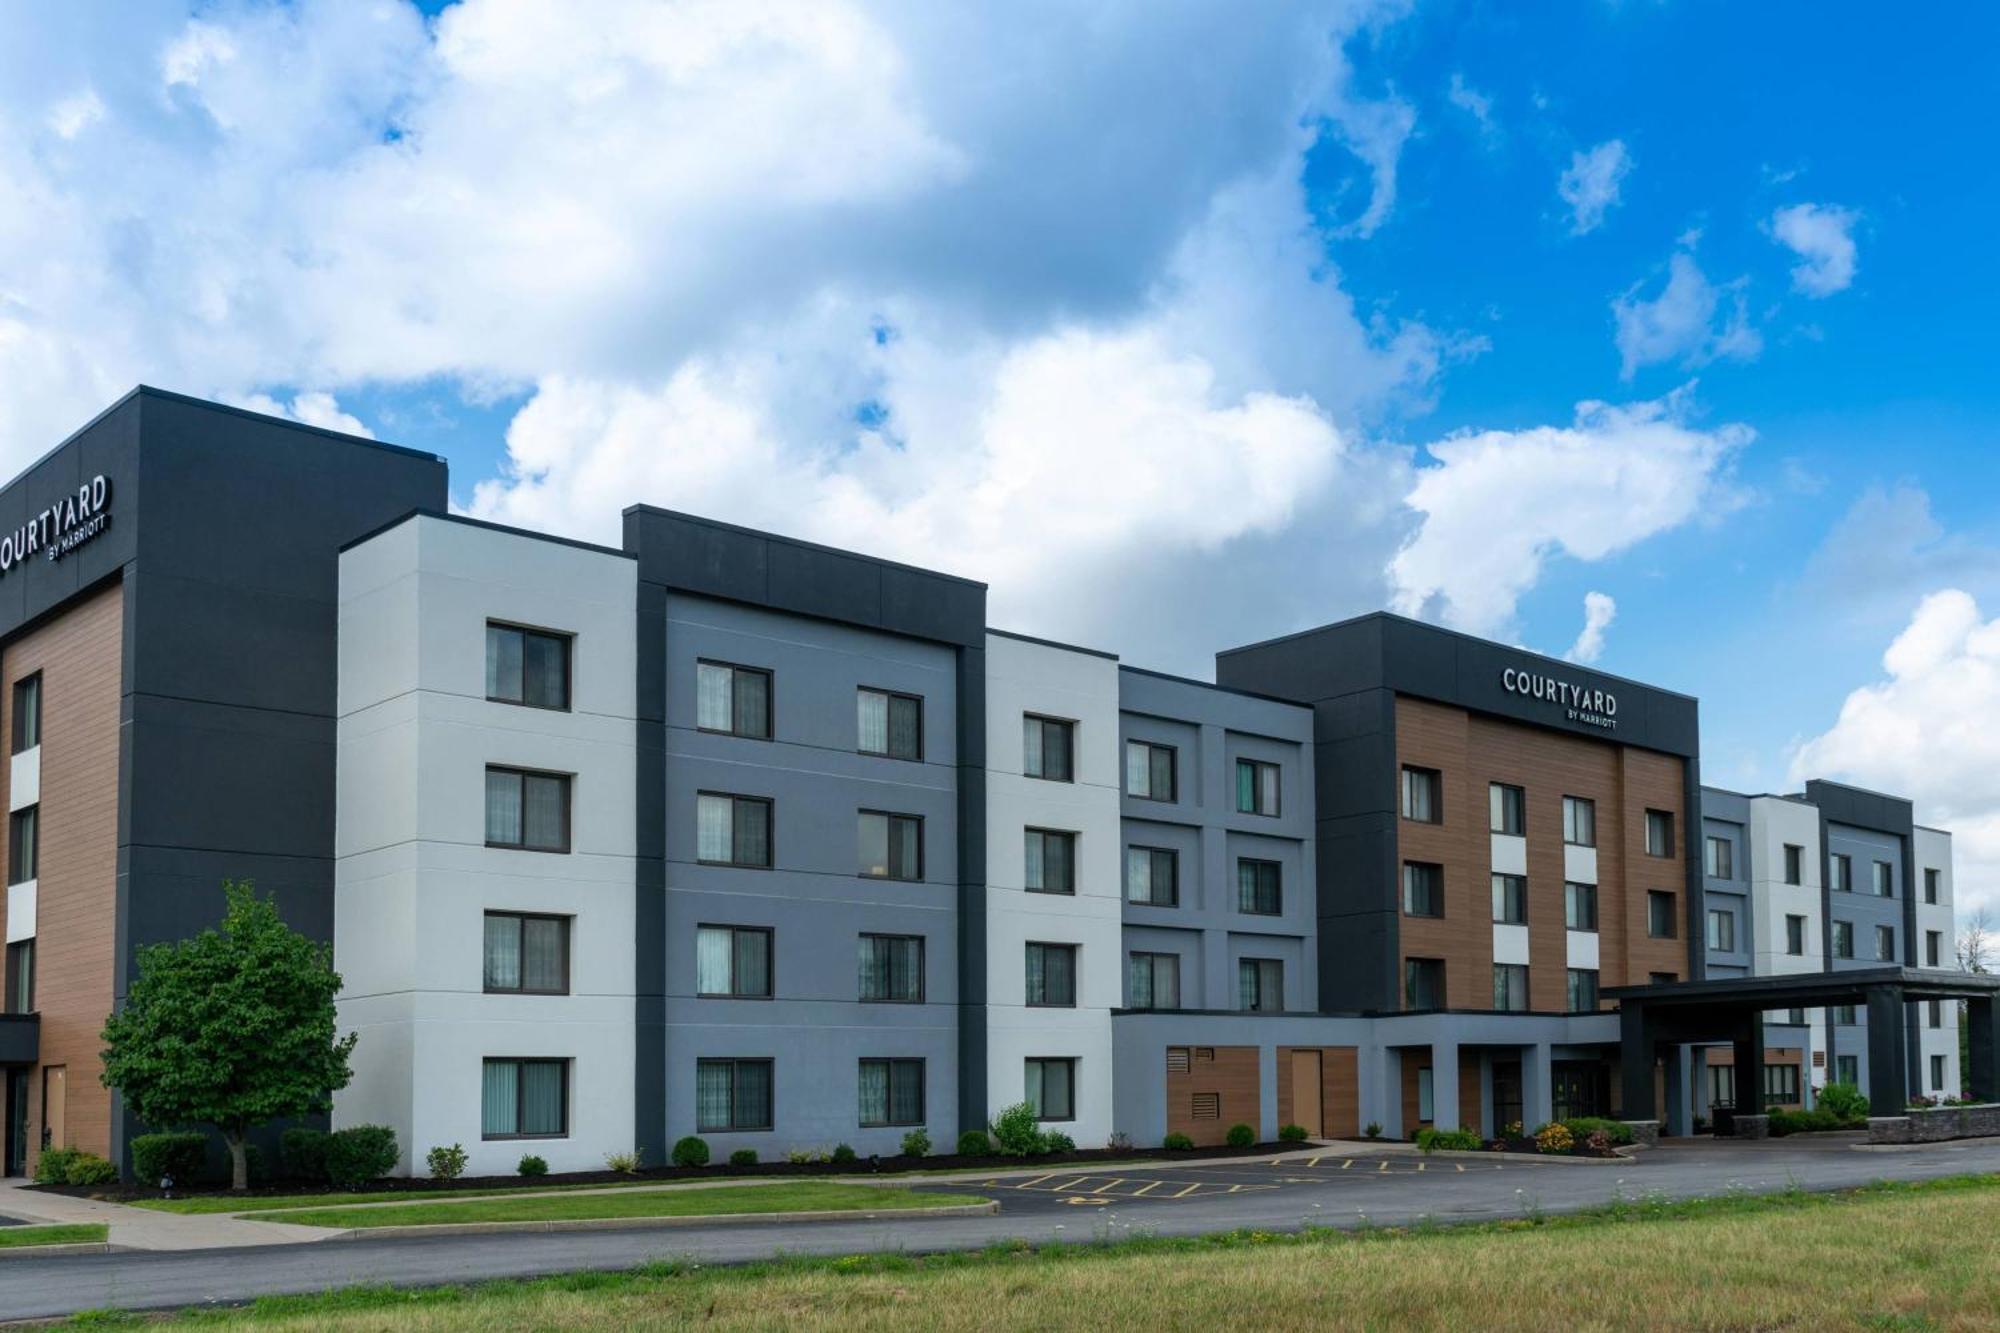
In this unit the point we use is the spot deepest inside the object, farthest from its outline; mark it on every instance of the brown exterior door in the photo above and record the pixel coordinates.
(55, 1107)
(1306, 1086)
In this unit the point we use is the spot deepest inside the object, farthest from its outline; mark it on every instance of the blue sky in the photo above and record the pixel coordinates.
(1180, 330)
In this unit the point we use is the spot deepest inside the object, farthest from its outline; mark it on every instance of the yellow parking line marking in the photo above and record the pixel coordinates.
(1030, 1184)
(1312, 1161)
(1384, 1166)
(1344, 1165)
(1189, 1190)
(1421, 1166)
(1111, 1186)
(1067, 1184)
(1460, 1166)
(1148, 1187)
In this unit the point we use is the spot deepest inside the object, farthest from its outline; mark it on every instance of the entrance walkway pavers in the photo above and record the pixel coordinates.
(145, 1229)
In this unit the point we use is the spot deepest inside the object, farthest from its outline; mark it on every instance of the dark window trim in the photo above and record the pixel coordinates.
(1522, 792)
(1069, 723)
(923, 965)
(1073, 950)
(1438, 884)
(1275, 813)
(1436, 780)
(923, 1076)
(770, 935)
(1173, 770)
(568, 641)
(1427, 964)
(1647, 830)
(33, 678)
(1173, 854)
(1069, 1060)
(567, 924)
(1592, 928)
(15, 818)
(520, 1062)
(568, 813)
(18, 952)
(1257, 966)
(770, 831)
(1672, 900)
(1277, 866)
(892, 816)
(1132, 956)
(1071, 834)
(770, 699)
(1590, 801)
(733, 1061)
(890, 694)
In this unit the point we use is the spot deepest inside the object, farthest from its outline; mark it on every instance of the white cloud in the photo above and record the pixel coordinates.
(1474, 103)
(1599, 610)
(1375, 132)
(1923, 732)
(73, 115)
(1500, 505)
(1591, 183)
(1822, 236)
(313, 408)
(1887, 549)
(1687, 322)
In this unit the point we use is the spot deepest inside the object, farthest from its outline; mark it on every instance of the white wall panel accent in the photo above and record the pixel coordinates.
(1579, 864)
(1774, 823)
(1581, 948)
(1510, 944)
(21, 911)
(25, 779)
(1510, 854)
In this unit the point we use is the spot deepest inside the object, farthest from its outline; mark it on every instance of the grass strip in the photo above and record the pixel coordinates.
(706, 1201)
(259, 1203)
(66, 1233)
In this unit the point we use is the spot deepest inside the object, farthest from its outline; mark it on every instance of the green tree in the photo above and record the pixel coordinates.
(233, 1028)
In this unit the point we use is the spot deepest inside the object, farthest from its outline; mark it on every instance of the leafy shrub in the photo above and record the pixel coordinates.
(1844, 1101)
(1119, 1141)
(974, 1143)
(180, 1156)
(1240, 1136)
(1512, 1130)
(446, 1163)
(531, 1165)
(1598, 1141)
(1057, 1141)
(52, 1167)
(843, 1153)
(359, 1154)
(253, 1164)
(303, 1152)
(802, 1156)
(1582, 1127)
(916, 1143)
(1291, 1133)
(1374, 1130)
(743, 1157)
(1016, 1130)
(1177, 1141)
(1448, 1140)
(1817, 1120)
(1554, 1138)
(690, 1151)
(87, 1168)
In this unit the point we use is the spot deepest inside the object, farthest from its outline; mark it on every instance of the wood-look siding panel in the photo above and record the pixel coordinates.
(1232, 1076)
(1471, 1101)
(1339, 1094)
(1414, 1058)
(1432, 736)
(79, 655)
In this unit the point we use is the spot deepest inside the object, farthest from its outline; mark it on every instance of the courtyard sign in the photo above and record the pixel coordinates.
(62, 527)
(1592, 707)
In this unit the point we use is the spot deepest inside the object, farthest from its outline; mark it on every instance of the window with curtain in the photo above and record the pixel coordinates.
(1843, 939)
(527, 953)
(1781, 1084)
(1423, 983)
(734, 700)
(1579, 821)
(732, 1094)
(892, 968)
(891, 725)
(527, 811)
(1051, 861)
(1423, 795)
(526, 666)
(1256, 787)
(1149, 771)
(1885, 943)
(1842, 873)
(1795, 935)
(733, 830)
(524, 1099)
(1052, 975)
(1582, 990)
(1660, 916)
(1260, 985)
(1659, 833)
(1721, 858)
(733, 961)
(27, 712)
(21, 977)
(1580, 906)
(1510, 986)
(23, 855)
(1721, 930)
(1050, 1085)
(1510, 900)
(1423, 889)
(1259, 887)
(892, 846)
(1795, 863)
(892, 1093)
(1885, 880)
(1152, 876)
(1155, 981)
(1506, 809)
(1048, 748)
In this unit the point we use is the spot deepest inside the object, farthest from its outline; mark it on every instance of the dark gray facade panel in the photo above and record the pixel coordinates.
(649, 883)
(971, 1048)
(110, 446)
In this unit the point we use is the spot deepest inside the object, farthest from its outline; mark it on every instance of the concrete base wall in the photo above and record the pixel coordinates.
(1936, 1126)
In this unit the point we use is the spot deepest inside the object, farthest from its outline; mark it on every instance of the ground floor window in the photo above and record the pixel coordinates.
(524, 1099)
(892, 1092)
(1051, 1088)
(1579, 1087)
(1426, 1094)
(1721, 1086)
(1510, 986)
(1582, 990)
(732, 1094)
(1847, 1069)
(1781, 1084)
(1937, 1073)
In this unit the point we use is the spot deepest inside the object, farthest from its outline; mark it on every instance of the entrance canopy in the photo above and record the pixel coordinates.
(1732, 1009)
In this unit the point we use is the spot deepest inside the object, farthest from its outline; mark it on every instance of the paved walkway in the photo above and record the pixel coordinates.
(145, 1229)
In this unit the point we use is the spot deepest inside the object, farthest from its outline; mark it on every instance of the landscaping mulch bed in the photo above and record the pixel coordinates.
(1528, 1146)
(714, 1171)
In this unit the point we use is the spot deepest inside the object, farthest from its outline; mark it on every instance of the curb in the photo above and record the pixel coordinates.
(1551, 1159)
(1983, 1141)
(43, 1251)
(985, 1209)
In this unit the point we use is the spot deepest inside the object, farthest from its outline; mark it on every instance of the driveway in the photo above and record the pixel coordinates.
(1273, 1195)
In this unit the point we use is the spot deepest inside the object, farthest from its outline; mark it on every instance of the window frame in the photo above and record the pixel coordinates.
(1572, 807)
(32, 682)
(1842, 866)
(1932, 879)
(1152, 855)
(521, 1063)
(1882, 880)
(1510, 972)
(736, 669)
(1431, 781)
(1413, 967)
(1795, 864)
(1435, 885)
(1843, 931)
(1937, 1073)
(566, 638)
(1664, 821)
(1885, 943)
(1510, 899)
(1258, 971)
(737, 799)
(1847, 1069)
(1069, 838)
(566, 928)
(1718, 857)
(1061, 947)
(890, 843)
(1570, 985)
(889, 698)
(735, 1063)
(1152, 748)
(923, 967)
(1066, 727)
(1933, 948)
(1721, 922)
(1655, 897)
(1258, 864)
(1150, 960)
(890, 1062)
(1795, 932)
(1786, 1076)
(1571, 897)
(1257, 768)
(29, 816)
(1498, 804)
(20, 978)
(1068, 1060)
(770, 935)
(521, 775)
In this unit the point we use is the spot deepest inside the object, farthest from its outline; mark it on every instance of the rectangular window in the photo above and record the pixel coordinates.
(1423, 795)
(1843, 873)
(1256, 787)
(1930, 887)
(1721, 931)
(1155, 981)
(733, 830)
(527, 954)
(1260, 985)
(527, 666)
(1259, 887)
(527, 811)
(1579, 821)
(1510, 986)
(1795, 864)
(1582, 990)
(892, 846)
(1795, 936)
(1721, 858)
(891, 725)
(892, 1093)
(1052, 975)
(732, 1095)
(1580, 906)
(1843, 939)
(1047, 748)
(1884, 880)
(1153, 876)
(1721, 1085)
(21, 977)
(892, 969)
(1507, 809)
(1885, 943)
(1423, 983)
(1934, 1013)
(1662, 978)
(1937, 1073)
(1659, 833)
(734, 700)
(1150, 771)
(524, 1099)
(1796, 1017)
(733, 962)
(1781, 1084)
(1662, 921)
(1051, 1088)
(1847, 1069)
(1510, 900)
(1423, 889)
(1933, 947)
(1426, 1095)
(1844, 1015)
(27, 712)
(23, 855)
(1051, 861)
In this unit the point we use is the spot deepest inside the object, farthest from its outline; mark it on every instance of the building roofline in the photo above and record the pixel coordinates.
(765, 534)
(1051, 643)
(206, 404)
(466, 521)
(1211, 685)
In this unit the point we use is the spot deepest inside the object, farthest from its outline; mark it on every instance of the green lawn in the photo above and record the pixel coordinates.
(257, 1203)
(73, 1233)
(703, 1201)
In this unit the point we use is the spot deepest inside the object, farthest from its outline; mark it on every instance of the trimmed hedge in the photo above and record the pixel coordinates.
(974, 1143)
(183, 1156)
(1448, 1140)
(690, 1151)
(1240, 1136)
(1581, 1127)
(359, 1154)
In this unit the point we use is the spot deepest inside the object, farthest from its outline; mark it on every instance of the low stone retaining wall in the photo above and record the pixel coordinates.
(1936, 1124)
(1753, 1127)
(1645, 1133)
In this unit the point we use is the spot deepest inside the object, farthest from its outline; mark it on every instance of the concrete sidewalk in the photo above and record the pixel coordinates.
(145, 1229)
